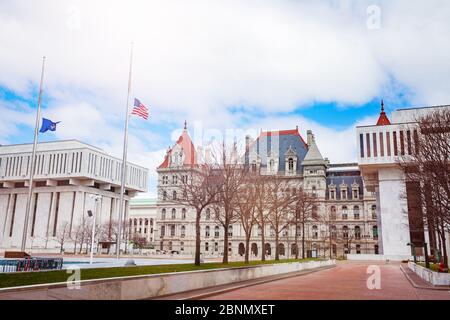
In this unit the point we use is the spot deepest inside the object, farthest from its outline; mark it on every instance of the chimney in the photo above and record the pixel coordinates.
(310, 138)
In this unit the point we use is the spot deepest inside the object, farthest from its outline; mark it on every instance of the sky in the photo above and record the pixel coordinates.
(226, 67)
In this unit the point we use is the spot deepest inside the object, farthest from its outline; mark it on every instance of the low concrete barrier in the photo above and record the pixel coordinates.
(377, 257)
(435, 278)
(150, 286)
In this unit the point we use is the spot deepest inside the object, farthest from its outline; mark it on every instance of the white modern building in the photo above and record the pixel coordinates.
(142, 219)
(66, 174)
(379, 148)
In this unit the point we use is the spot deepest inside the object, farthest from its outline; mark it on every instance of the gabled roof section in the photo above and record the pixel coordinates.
(383, 120)
(186, 144)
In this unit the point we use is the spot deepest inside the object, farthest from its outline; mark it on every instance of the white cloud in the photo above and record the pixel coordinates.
(194, 59)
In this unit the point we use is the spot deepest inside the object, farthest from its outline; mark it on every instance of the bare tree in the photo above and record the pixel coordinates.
(303, 204)
(63, 235)
(280, 201)
(198, 188)
(247, 213)
(427, 169)
(231, 176)
(260, 183)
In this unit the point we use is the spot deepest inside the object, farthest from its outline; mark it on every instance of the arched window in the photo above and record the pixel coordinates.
(356, 212)
(344, 213)
(333, 232)
(183, 214)
(163, 214)
(216, 232)
(357, 232)
(208, 214)
(291, 164)
(207, 231)
(315, 232)
(174, 214)
(183, 231)
(230, 231)
(374, 211)
(333, 213)
(345, 232)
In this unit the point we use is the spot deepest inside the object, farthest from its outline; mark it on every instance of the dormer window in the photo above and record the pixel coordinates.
(291, 164)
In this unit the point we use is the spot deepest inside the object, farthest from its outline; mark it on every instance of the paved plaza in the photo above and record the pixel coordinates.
(347, 281)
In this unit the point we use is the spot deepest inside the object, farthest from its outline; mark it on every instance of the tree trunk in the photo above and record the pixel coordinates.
(444, 247)
(296, 241)
(277, 251)
(247, 247)
(303, 240)
(197, 238)
(225, 245)
(263, 242)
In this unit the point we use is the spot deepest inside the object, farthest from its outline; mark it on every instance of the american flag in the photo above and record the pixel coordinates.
(140, 110)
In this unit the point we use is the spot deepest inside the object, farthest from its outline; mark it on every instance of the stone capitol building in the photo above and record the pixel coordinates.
(352, 225)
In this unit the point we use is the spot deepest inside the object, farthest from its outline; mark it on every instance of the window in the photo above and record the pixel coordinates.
(174, 214)
(163, 215)
(345, 232)
(368, 144)
(315, 232)
(207, 231)
(344, 193)
(164, 195)
(332, 194)
(373, 209)
(272, 231)
(174, 179)
(375, 232)
(402, 143)
(355, 194)
(314, 213)
(259, 231)
(165, 180)
(183, 214)
(333, 213)
(388, 143)
(181, 246)
(272, 165)
(357, 232)
(361, 145)
(216, 246)
(291, 164)
(394, 137)
(333, 232)
(163, 231)
(230, 231)
(381, 145)
(172, 230)
(206, 246)
(356, 212)
(314, 191)
(358, 249)
(229, 247)
(375, 151)
(174, 195)
(183, 231)
(344, 213)
(216, 232)
(208, 214)
(170, 245)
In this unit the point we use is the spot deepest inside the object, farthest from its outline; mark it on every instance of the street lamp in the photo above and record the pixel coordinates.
(93, 215)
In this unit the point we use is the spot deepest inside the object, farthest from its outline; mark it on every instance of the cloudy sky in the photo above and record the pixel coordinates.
(224, 66)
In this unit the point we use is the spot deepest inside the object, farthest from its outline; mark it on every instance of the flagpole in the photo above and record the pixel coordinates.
(124, 160)
(32, 162)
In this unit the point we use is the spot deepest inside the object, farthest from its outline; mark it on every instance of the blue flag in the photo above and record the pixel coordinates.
(48, 125)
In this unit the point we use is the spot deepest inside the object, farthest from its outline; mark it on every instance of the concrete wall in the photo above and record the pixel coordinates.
(435, 278)
(141, 287)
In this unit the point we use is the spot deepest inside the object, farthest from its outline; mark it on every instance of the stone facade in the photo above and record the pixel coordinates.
(339, 189)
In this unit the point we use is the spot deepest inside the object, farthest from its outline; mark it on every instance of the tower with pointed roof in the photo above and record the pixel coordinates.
(314, 169)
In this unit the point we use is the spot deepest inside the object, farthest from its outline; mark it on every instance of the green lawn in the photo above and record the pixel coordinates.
(29, 278)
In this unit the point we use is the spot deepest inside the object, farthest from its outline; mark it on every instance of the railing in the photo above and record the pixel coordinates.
(30, 264)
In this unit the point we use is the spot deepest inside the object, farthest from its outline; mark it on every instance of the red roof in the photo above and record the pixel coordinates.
(294, 132)
(383, 120)
(188, 148)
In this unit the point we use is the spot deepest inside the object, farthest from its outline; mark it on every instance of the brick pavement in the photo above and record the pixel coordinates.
(347, 281)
